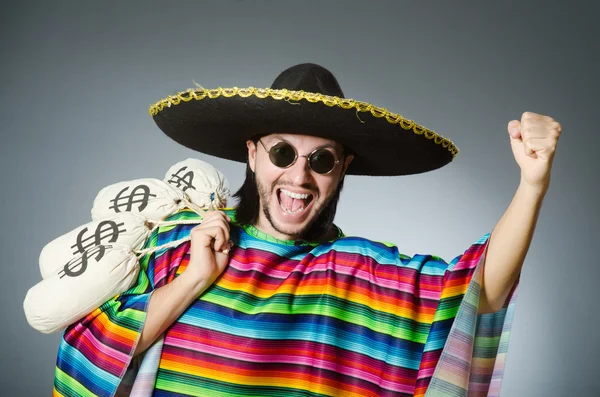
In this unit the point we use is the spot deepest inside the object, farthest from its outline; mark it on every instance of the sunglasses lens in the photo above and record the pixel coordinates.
(322, 161)
(282, 154)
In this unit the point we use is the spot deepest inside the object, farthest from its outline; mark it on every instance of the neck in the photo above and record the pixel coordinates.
(267, 228)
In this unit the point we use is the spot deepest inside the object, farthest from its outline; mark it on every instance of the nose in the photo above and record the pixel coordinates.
(300, 172)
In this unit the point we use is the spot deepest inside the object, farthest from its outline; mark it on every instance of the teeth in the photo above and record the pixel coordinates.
(294, 195)
(291, 212)
(297, 196)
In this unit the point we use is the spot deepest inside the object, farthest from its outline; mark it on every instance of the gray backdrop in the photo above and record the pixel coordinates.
(77, 80)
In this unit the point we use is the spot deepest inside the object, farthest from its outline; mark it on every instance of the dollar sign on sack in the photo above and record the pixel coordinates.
(77, 266)
(107, 231)
(139, 195)
(182, 182)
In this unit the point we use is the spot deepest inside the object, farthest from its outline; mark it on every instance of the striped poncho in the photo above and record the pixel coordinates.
(351, 317)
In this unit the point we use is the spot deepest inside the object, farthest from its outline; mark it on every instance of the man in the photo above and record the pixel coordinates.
(273, 299)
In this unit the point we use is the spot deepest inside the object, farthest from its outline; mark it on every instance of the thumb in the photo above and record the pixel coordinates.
(514, 129)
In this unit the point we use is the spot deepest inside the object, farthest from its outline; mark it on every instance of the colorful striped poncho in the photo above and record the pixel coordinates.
(351, 317)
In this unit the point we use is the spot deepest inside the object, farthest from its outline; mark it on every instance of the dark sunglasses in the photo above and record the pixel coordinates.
(284, 155)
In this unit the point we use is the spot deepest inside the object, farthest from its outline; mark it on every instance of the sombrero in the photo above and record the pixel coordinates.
(304, 99)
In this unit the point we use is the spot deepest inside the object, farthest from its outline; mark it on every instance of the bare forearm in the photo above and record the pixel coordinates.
(166, 304)
(508, 246)
(209, 255)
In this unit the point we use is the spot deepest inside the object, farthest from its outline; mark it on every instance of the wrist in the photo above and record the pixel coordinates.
(533, 195)
(534, 191)
(193, 282)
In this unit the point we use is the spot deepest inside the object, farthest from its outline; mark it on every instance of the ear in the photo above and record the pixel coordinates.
(251, 154)
(347, 162)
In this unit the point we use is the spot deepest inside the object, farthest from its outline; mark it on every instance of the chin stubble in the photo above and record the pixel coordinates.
(265, 195)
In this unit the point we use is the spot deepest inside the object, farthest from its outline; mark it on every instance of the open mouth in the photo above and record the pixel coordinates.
(293, 203)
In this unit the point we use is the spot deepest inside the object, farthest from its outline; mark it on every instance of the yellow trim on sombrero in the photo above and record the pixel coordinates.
(287, 95)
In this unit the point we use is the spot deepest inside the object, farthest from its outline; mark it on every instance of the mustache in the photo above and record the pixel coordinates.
(306, 186)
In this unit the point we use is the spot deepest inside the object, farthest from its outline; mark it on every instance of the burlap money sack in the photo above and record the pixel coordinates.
(126, 229)
(152, 197)
(79, 275)
(89, 279)
(201, 182)
(84, 268)
(63, 297)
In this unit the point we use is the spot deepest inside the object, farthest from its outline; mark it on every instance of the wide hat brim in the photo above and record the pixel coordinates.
(219, 121)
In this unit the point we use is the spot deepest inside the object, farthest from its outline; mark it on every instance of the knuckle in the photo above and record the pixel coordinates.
(221, 222)
(217, 216)
(202, 231)
(196, 230)
(207, 216)
(556, 125)
(226, 225)
(223, 216)
(219, 242)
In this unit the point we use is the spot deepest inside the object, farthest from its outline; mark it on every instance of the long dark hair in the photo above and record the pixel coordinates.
(248, 207)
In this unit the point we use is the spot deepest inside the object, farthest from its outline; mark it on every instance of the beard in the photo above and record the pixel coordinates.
(318, 225)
